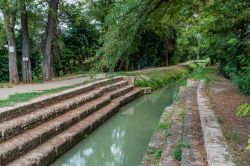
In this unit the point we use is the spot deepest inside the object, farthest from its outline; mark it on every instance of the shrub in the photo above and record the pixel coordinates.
(243, 110)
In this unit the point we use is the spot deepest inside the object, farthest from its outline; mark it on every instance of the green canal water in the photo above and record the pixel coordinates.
(123, 139)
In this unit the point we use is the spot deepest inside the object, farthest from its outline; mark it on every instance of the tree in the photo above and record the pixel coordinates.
(26, 65)
(50, 33)
(9, 13)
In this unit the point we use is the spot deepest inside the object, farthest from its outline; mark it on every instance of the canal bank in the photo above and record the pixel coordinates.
(123, 139)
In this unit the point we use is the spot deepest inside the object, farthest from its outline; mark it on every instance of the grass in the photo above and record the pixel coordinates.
(233, 136)
(156, 153)
(164, 127)
(22, 97)
(177, 151)
(161, 78)
(207, 73)
(182, 116)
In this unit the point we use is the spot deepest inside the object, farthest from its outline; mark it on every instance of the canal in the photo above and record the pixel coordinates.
(123, 139)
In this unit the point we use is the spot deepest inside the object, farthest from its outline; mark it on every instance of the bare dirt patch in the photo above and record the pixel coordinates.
(225, 98)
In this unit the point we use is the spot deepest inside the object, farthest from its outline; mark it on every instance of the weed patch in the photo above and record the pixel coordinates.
(164, 127)
(156, 153)
(233, 136)
(177, 151)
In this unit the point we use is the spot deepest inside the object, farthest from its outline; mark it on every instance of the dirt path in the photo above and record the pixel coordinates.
(36, 87)
(225, 99)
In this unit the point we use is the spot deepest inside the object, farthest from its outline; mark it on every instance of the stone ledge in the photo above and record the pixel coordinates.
(216, 147)
(191, 155)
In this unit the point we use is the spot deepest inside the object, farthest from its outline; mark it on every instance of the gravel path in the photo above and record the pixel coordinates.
(36, 87)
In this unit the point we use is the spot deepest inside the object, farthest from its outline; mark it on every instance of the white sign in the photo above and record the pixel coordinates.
(11, 49)
(25, 59)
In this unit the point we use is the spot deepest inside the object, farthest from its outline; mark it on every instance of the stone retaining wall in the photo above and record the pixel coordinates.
(216, 148)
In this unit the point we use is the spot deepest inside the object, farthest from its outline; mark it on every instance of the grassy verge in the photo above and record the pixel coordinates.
(21, 97)
(158, 79)
(154, 80)
(207, 73)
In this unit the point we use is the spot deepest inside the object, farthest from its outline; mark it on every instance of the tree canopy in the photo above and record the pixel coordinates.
(117, 35)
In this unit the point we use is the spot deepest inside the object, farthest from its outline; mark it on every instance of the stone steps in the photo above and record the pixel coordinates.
(207, 145)
(194, 153)
(174, 132)
(55, 147)
(20, 124)
(11, 112)
(22, 135)
(16, 146)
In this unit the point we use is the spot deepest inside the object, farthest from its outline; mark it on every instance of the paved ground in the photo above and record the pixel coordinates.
(36, 87)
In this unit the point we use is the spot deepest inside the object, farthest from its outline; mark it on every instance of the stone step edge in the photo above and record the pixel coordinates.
(175, 131)
(148, 159)
(122, 91)
(55, 147)
(9, 112)
(190, 155)
(24, 125)
(14, 148)
(216, 147)
(169, 115)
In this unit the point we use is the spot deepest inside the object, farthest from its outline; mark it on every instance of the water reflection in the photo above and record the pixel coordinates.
(122, 140)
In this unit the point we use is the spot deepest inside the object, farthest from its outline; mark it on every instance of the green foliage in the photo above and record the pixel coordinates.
(109, 35)
(192, 66)
(233, 136)
(228, 39)
(128, 23)
(159, 79)
(207, 73)
(75, 44)
(164, 127)
(155, 152)
(243, 110)
(177, 151)
(4, 68)
(182, 116)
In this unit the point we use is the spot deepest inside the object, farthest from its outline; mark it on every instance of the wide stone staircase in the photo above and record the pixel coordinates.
(39, 131)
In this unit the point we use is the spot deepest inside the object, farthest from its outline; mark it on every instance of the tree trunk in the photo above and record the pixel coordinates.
(26, 66)
(9, 22)
(50, 32)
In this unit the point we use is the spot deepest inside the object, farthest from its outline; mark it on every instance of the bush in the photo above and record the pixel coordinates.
(243, 110)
